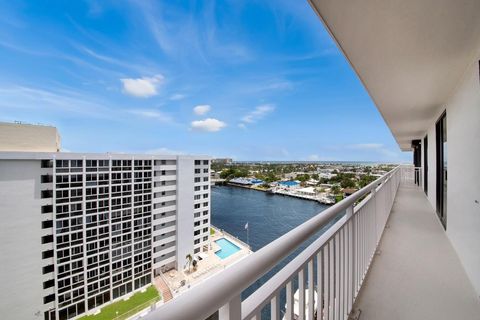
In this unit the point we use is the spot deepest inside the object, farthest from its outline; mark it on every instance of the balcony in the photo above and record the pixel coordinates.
(386, 257)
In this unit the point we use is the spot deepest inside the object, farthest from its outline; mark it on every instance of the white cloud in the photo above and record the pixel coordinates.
(201, 109)
(142, 87)
(259, 113)
(177, 96)
(208, 125)
(152, 114)
(242, 126)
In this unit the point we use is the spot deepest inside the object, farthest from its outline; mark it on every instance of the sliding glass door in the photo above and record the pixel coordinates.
(442, 171)
(425, 165)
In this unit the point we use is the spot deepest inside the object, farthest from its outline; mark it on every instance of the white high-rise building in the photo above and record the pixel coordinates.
(81, 230)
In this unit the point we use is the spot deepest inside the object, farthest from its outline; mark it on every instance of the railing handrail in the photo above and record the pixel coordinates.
(261, 296)
(209, 296)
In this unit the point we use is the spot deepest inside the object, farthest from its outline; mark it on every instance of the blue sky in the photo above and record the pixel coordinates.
(252, 80)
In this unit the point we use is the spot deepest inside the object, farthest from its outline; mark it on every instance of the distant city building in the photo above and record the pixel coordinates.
(82, 230)
(28, 137)
(222, 160)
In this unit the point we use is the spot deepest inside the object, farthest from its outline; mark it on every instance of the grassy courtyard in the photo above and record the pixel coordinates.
(138, 301)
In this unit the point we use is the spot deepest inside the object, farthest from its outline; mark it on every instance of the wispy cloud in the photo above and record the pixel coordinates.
(208, 125)
(152, 114)
(259, 113)
(144, 87)
(60, 101)
(181, 34)
(177, 96)
(201, 109)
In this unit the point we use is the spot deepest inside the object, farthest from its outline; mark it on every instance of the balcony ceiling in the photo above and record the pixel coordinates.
(409, 54)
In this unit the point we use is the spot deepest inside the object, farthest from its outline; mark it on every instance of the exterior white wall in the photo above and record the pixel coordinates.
(21, 264)
(27, 137)
(463, 190)
(463, 161)
(185, 178)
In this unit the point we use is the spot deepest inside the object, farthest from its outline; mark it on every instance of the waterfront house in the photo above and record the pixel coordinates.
(411, 248)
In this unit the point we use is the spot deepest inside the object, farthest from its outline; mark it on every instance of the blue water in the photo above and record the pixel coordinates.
(268, 217)
(289, 183)
(227, 248)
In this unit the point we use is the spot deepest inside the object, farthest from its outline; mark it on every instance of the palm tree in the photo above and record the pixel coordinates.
(189, 261)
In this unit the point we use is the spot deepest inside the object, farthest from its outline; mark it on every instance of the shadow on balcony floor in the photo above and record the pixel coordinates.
(417, 274)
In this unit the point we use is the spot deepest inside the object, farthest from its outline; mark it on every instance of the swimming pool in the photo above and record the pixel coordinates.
(289, 183)
(227, 248)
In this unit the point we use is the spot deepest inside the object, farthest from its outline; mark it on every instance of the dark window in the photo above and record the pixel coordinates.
(47, 254)
(47, 239)
(47, 209)
(46, 194)
(47, 164)
(48, 269)
(47, 224)
(49, 298)
(48, 284)
(46, 178)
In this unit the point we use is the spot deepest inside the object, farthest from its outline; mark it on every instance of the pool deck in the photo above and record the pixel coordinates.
(206, 267)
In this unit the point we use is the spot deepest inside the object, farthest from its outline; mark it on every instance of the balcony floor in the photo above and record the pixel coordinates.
(417, 274)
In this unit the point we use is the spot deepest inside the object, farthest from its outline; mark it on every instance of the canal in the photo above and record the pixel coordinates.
(268, 217)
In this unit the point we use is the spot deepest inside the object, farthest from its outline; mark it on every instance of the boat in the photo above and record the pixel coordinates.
(296, 305)
(271, 191)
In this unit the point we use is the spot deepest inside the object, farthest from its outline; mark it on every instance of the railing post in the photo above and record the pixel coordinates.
(232, 310)
(290, 302)
(353, 259)
(275, 308)
(301, 293)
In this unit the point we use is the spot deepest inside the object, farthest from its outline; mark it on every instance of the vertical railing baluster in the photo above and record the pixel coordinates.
(332, 278)
(341, 274)
(320, 281)
(311, 291)
(337, 275)
(351, 260)
(326, 259)
(301, 293)
(289, 310)
(232, 310)
(275, 307)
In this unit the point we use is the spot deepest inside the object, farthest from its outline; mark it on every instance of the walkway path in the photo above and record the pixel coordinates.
(163, 289)
(417, 274)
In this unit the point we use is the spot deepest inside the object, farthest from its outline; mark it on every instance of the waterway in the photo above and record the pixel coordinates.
(268, 217)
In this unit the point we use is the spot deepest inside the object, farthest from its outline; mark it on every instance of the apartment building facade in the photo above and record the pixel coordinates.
(81, 230)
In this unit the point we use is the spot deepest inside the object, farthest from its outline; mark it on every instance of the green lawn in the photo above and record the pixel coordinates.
(143, 299)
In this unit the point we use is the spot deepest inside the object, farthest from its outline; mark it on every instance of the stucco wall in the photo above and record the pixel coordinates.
(185, 177)
(20, 240)
(463, 161)
(463, 191)
(27, 137)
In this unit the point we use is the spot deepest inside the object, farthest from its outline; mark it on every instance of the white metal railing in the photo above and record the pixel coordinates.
(412, 176)
(334, 265)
